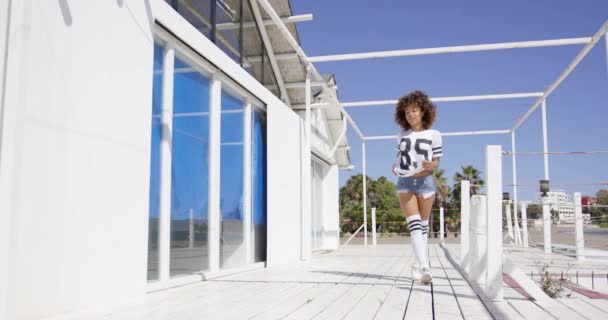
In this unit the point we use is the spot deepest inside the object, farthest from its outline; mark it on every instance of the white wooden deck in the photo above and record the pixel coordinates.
(515, 306)
(356, 282)
(529, 260)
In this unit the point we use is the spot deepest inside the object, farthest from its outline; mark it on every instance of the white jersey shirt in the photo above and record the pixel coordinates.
(413, 147)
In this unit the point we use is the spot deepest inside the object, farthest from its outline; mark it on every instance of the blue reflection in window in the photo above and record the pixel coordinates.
(231, 184)
(258, 164)
(189, 170)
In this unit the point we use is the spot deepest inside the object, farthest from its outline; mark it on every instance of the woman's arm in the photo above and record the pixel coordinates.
(431, 166)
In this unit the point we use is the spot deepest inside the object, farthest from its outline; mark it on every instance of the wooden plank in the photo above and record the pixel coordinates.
(340, 307)
(325, 299)
(393, 306)
(529, 309)
(368, 306)
(444, 297)
(420, 302)
(599, 304)
(560, 311)
(470, 304)
(306, 284)
(583, 308)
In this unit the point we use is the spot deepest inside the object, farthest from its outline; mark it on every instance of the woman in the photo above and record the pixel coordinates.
(419, 149)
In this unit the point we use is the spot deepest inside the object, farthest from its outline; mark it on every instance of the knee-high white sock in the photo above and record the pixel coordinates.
(425, 237)
(415, 226)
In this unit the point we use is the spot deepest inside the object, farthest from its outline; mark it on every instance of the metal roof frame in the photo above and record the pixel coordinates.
(589, 43)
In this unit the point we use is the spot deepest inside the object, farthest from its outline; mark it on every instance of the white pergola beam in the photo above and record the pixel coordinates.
(267, 22)
(273, 62)
(466, 48)
(598, 35)
(319, 105)
(296, 47)
(297, 85)
(446, 134)
(448, 99)
(277, 56)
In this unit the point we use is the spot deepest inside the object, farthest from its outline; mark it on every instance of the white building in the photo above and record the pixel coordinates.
(144, 147)
(562, 202)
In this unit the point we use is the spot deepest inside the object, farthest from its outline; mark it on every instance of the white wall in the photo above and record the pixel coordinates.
(284, 186)
(74, 167)
(331, 199)
(321, 141)
(6, 264)
(80, 97)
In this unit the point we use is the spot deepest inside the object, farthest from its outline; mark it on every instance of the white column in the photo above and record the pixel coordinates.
(441, 236)
(516, 229)
(374, 226)
(507, 205)
(306, 174)
(524, 224)
(364, 196)
(247, 184)
(545, 144)
(579, 236)
(164, 228)
(514, 164)
(477, 269)
(547, 224)
(494, 289)
(214, 213)
(191, 228)
(465, 214)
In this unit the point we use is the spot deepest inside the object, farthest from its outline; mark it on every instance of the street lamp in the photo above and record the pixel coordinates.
(373, 199)
(544, 187)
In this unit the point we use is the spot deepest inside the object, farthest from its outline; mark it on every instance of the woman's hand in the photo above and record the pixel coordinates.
(394, 170)
(429, 166)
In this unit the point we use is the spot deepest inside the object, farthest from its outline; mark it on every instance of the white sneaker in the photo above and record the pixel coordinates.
(415, 272)
(426, 277)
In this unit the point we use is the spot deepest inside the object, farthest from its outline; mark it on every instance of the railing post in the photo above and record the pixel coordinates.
(364, 195)
(494, 289)
(441, 234)
(476, 269)
(465, 213)
(509, 221)
(547, 224)
(578, 220)
(374, 226)
(524, 224)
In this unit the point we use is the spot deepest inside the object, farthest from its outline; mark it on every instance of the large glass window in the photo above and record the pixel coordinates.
(231, 25)
(189, 170)
(258, 192)
(186, 223)
(156, 138)
(232, 249)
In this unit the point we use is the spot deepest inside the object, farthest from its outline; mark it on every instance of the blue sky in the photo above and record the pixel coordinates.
(577, 111)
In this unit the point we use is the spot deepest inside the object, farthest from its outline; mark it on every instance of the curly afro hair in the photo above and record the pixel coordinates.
(420, 99)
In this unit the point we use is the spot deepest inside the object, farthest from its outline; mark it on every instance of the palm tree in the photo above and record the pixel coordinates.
(442, 191)
(468, 173)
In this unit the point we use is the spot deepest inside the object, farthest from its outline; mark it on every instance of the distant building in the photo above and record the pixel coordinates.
(562, 202)
(588, 200)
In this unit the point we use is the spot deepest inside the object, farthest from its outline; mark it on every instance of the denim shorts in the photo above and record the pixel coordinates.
(424, 186)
